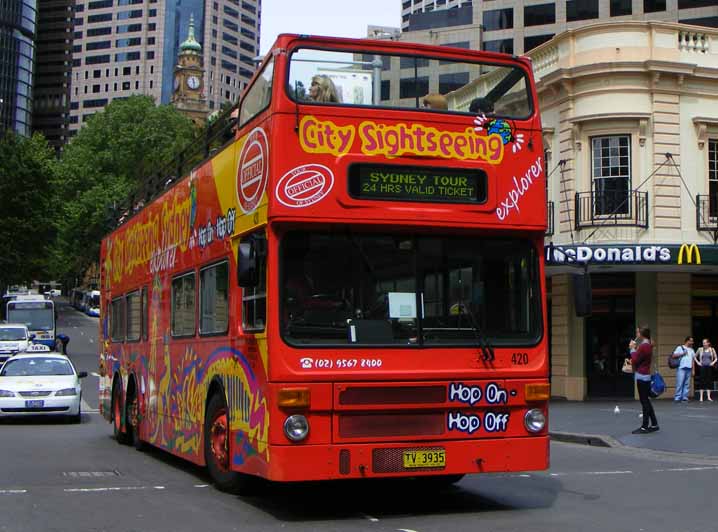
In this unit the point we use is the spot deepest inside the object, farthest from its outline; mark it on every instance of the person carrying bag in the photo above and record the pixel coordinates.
(682, 361)
(641, 359)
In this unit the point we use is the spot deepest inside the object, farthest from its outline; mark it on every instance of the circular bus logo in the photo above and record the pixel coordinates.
(252, 170)
(304, 185)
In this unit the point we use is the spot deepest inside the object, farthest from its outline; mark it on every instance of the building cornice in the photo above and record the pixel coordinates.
(702, 125)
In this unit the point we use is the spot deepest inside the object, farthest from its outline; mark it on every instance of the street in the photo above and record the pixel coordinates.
(56, 476)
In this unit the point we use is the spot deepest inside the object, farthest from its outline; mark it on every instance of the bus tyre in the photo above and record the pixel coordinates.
(117, 416)
(133, 422)
(216, 450)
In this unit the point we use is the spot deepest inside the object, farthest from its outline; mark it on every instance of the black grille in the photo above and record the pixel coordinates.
(35, 394)
(344, 462)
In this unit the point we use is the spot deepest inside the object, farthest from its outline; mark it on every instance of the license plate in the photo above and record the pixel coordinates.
(424, 458)
(34, 404)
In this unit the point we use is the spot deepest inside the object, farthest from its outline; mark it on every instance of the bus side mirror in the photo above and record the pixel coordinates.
(32, 336)
(247, 264)
(251, 250)
(582, 297)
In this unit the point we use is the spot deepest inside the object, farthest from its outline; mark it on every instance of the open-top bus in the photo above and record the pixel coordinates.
(352, 286)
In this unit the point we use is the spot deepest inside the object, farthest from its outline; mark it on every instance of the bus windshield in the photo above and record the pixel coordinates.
(37, 316)
(357, 289)
(403, 81)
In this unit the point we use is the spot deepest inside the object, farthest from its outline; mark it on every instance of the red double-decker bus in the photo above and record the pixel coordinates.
(352, 286)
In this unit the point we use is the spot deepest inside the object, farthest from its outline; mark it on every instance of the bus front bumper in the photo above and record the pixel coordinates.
(324, 462)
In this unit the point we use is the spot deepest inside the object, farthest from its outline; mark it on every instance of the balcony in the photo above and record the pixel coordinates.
(549, 215)
(611, 209)
(707, 214)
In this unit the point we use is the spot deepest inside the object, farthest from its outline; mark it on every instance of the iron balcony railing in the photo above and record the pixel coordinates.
(549, 215)
(611, 208)
(707, 212)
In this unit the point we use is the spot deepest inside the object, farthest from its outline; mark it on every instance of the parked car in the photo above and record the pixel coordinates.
(40, 382)
(14, 338)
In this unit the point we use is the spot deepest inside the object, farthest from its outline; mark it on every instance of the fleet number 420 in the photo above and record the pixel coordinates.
(520, 359)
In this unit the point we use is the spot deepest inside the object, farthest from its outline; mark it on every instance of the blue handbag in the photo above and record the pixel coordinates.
(658, 385)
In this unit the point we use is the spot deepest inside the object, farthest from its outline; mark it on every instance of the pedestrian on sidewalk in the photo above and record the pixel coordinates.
(685, 354)
(705, 360)
(641, 359)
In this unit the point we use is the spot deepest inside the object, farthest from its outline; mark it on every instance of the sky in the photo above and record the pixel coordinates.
(336, 18)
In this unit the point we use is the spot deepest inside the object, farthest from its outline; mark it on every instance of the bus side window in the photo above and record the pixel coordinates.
(214, 299)
(254, 298)
(184, 305)
(117, 319)
(132, 324)
(144, 318)
(257, 98)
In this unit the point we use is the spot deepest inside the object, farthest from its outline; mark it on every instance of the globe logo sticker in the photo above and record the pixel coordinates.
(252, 170)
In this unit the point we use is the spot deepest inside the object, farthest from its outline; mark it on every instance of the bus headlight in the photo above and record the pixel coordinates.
(296, 427)
(534, 420)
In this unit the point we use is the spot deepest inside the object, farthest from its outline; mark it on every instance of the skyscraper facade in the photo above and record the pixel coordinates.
(53, 69)
(126, 47)
(18, 19)
(517, 26)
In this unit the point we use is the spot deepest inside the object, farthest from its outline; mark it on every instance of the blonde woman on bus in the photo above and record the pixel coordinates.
(323, 90)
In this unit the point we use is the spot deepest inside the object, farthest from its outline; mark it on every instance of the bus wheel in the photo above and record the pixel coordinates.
(133, 422)
(117, 415)
(216, 450)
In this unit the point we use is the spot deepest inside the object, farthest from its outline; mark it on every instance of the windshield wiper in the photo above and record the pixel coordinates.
(487, 350)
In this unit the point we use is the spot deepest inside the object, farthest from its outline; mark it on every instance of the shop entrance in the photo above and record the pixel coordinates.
(705, 314)
(608, 331)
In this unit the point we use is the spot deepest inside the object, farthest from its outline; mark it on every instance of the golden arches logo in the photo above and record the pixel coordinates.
(690, 251)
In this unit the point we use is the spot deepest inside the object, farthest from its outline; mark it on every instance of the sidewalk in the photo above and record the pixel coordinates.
(685, 427)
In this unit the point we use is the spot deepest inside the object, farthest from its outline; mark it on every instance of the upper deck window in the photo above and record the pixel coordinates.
(258, 96)
(356, 78)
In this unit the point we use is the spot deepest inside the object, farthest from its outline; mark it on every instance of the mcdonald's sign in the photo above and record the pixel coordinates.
(691, 251)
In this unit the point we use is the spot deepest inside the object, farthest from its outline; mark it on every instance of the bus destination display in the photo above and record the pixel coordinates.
(417, 183)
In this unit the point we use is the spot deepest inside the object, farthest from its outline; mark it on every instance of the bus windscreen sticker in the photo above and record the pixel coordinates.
(252, 170)
(304, 185)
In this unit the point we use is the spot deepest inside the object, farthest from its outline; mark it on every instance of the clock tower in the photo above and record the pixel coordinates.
(189, 96)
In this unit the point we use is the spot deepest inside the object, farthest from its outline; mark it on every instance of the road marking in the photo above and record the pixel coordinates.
(90, 474)
(370, 518)
(405, 530)
(201, 485)
(680, 469)
(607, 473)
(95, 374)
(111, 488)
(12, 492)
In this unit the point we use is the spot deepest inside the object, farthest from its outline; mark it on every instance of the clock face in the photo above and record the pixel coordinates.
(193, 82)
